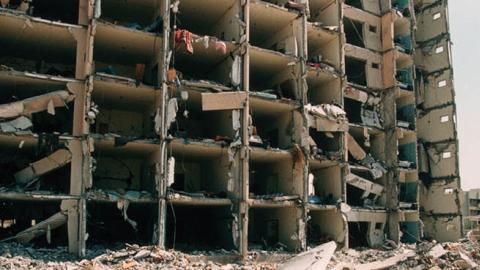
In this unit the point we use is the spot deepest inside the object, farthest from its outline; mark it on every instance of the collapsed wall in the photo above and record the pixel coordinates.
(227, 124)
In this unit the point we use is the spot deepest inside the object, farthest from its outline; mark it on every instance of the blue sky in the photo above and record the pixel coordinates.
(465, 32)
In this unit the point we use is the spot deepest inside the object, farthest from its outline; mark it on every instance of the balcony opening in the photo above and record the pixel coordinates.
(357, 234)
(356, 71)
(271, 228)
(191, 228)
(327, 186)
(193, 123)
(56, 10)
(140, 15)
(354, 32)
(111, 224)
(355, 3)
(200, 177)
(410, 232)
(18, 174)
(217, 20)
(324, 226)
(273, 179)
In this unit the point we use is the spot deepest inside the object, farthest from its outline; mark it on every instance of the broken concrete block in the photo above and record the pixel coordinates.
(356, 94)
(223, 101)
(52, 162)
(355, 149)
(468, 263)
(36, 104)
(170, 171)
(386, 263)
(364, 184)
(19, 124)
(41, 228)
(327, 118)
(437, 251)
(316, 258)
(172, 108)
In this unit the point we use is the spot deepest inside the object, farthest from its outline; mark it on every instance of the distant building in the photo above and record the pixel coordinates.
(471, 208)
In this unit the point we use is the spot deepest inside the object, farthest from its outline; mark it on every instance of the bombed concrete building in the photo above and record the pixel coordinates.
(227, 124)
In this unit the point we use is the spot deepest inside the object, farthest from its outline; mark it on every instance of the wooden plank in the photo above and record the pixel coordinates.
(223, 101)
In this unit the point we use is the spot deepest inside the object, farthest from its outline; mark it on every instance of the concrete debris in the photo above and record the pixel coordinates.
(115, 195)
(122, 205)
(377, 265)
(19, 124)
(172, 109)
(330, 111)
(355, 149)
(42, 228)
(182, 195)
(423, 255)
(276, 197)
(27, 107)
(316, 258)
(223, 101)
(170, 171)
(52, 162)
(437, 251)
(263, 95)
(377, 169)
(458, 255)
(327, 118)
(15, 256)
(367, 186)
(371, 118)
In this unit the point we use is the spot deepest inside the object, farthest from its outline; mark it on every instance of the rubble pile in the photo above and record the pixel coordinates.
(134, 257)
(424, 255)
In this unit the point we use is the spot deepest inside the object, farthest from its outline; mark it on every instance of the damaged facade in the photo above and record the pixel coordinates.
(233, 124)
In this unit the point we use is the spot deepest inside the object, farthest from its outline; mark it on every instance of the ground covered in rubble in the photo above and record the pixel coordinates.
(425, 255)
(16, 256)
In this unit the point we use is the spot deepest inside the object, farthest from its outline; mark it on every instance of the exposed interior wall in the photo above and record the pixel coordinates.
(326, 226)
(326, 182)
(276, 225)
